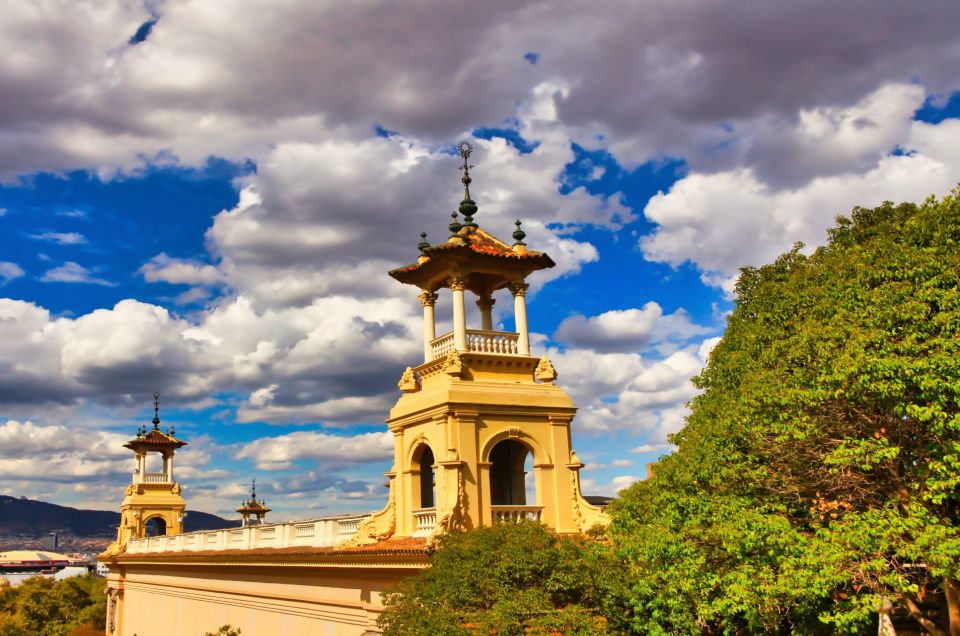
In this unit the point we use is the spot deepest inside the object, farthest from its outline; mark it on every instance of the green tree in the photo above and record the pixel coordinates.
(816, 480)
(42, 606)
(509, 579)
(225, 630)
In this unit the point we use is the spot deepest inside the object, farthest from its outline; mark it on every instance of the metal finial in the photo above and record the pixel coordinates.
(518, 234)
(467, 207)
(253, 491)
(454, 223)
(156, 410)
(423, 244)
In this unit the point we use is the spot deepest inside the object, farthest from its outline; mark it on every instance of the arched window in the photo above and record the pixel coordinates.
(156, 527)
(425, 460)
(508, 474)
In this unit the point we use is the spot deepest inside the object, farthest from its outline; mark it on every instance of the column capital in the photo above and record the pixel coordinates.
(458, 283)
(427, 298)
(485, 303)
(518, 289)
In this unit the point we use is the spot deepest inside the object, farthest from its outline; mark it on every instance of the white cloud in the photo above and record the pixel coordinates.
(179, 271)
(9, 271)
(31, 452)
(329, 451)
(61, 238)
(728, 220)
(71, 272)
(627, 329)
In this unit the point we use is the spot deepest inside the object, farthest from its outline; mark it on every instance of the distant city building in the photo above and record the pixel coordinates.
(18, 565)
(51, 541)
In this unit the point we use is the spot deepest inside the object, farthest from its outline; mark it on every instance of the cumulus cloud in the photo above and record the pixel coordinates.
(179, 271)
(329, 451)
(72, 272)
(627, 329)
(31, 452)
(727, 220)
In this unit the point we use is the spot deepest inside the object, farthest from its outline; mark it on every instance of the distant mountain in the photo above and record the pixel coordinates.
(36, 518)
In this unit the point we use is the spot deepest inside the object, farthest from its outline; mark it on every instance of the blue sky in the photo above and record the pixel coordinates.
(200, 209)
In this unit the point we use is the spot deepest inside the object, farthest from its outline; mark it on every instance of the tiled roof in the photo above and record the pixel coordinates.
(406, 546)
(155, 437)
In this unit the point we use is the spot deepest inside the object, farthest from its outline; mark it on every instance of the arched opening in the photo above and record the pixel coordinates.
(156, 527)
(509, 461)
(424, 461)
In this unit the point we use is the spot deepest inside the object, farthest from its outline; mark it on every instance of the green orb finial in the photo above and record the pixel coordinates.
(423, 244)
(519, 234)
(454, 223)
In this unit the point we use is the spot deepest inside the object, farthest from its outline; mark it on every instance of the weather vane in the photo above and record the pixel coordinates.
(465, 148)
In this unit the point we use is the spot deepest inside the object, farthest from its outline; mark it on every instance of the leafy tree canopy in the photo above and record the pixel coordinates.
(42, 606)
(816, 481)
(508, 579)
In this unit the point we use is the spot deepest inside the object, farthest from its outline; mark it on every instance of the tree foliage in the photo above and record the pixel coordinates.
(508, 579)
(816, 480)
(42, 606)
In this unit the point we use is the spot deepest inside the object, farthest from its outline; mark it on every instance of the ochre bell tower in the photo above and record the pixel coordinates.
(153, 503)
(479, 408)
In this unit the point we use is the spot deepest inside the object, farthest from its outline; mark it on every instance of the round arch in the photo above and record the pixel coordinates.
(155, 526)
(508, 472)
(422, 461)
(540, 456)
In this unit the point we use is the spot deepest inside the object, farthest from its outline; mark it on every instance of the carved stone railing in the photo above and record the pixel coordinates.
(155, 478)
(515, 514)
(425, 519)
(499, 342)
(317, 533)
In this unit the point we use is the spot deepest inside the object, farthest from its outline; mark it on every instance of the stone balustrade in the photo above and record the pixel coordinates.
(515, 514)
(478, 341)
(156, 478)
(425, 520)
(316, 533)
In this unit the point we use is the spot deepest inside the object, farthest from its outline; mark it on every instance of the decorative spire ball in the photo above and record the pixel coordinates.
(423, 244)
(518, 234)
(156, 410)
(454, 223)
(467, 207)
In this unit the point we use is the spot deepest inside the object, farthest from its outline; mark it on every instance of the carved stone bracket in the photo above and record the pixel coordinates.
(545, 371)
(454, 364)
(409, 382)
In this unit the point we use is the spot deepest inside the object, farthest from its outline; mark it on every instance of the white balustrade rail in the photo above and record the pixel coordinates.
(315, 533)
(515, 514)
(156, 478)
(425, 520)
(478, 341)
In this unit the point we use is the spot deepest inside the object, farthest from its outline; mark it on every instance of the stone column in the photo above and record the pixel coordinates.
(459, 315)
(428, 300)
(485, 303)
(519, 291)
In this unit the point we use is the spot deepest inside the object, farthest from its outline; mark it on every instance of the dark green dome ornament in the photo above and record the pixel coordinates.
(518, 234)
(423, 244)
(467, 207)
(454, 223)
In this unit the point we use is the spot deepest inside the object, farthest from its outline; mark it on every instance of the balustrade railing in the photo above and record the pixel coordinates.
(155, 478)
(515, 514)
(499, 342)
(425, 520)
(319, 533)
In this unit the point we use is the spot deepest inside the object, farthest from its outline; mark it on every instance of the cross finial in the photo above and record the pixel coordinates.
(156, 409)
(253, 491)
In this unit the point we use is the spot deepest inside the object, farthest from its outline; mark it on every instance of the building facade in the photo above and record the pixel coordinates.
(481, 436)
